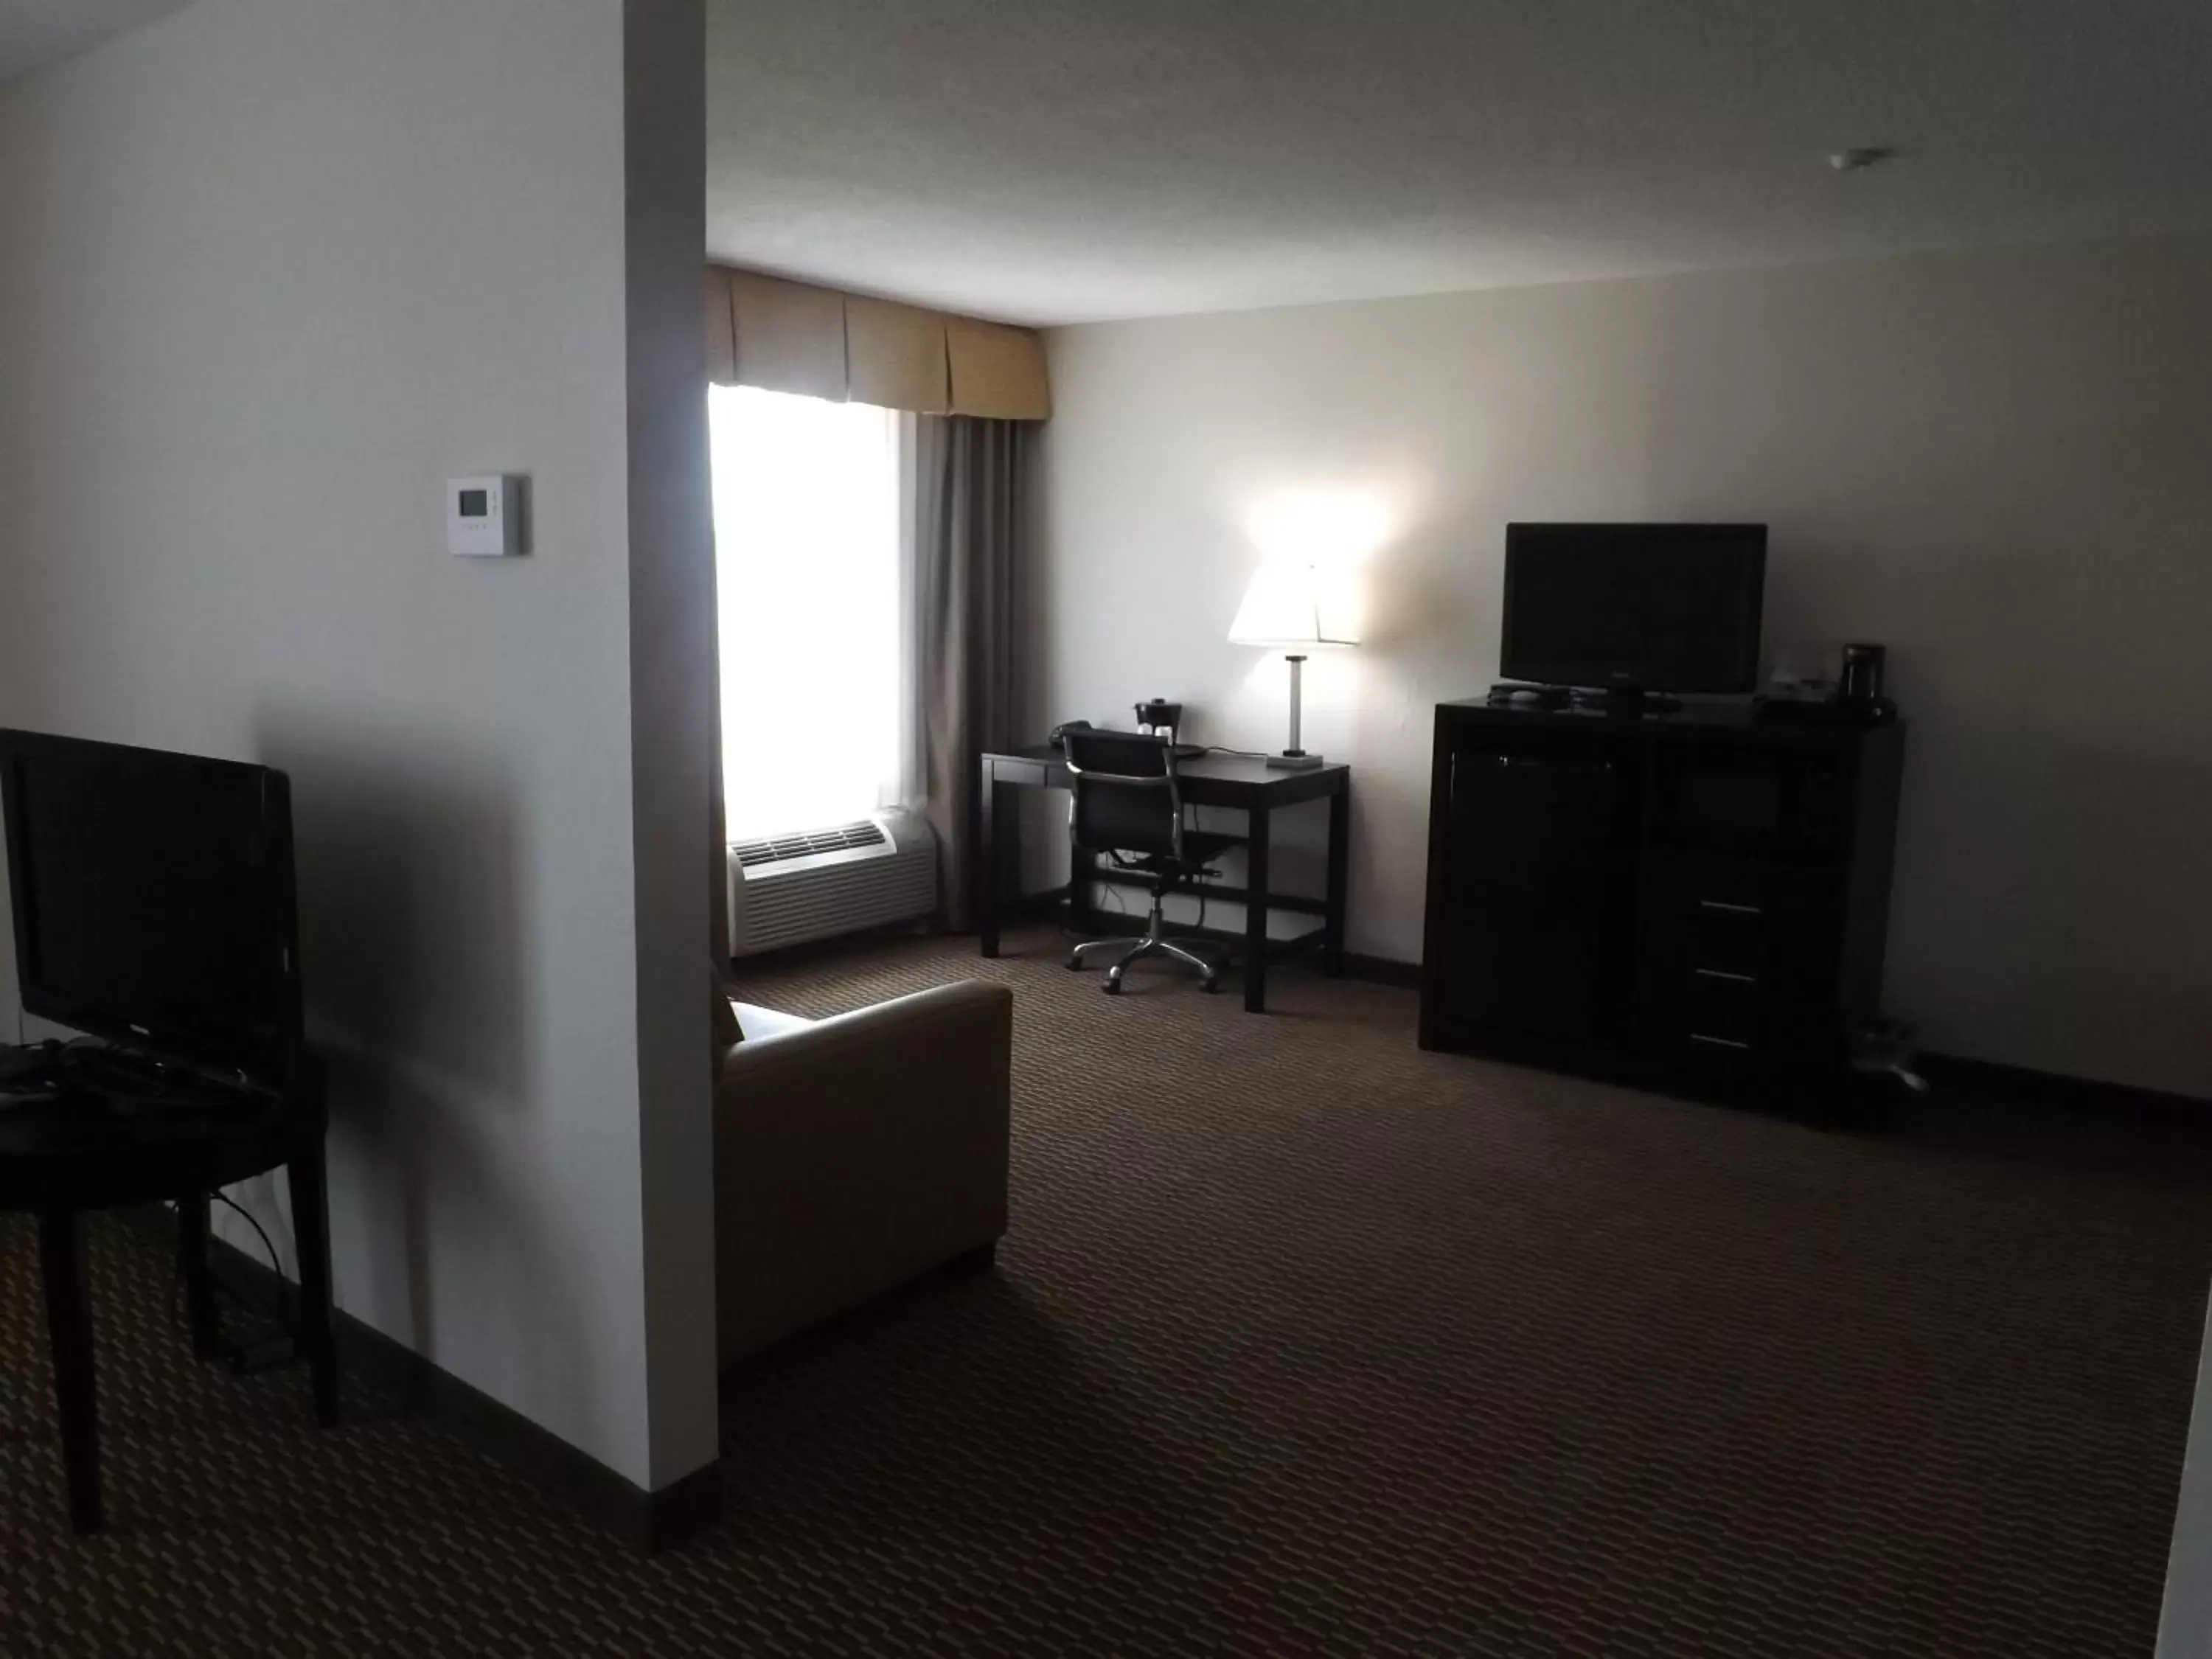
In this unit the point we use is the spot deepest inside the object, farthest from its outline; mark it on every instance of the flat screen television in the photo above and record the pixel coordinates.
(152, 900)
(1634, 607)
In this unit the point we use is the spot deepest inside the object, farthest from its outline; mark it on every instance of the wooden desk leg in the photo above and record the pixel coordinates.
(311, 1227)
(69, 1329)
(1256, 912)
(996, 815)
(199, 1283)
(1340, 853)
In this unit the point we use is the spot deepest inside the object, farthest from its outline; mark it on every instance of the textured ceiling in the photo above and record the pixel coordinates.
(1054, 160)
(36, 32)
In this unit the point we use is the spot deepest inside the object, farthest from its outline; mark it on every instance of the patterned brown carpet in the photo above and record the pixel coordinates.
(1305, 1341)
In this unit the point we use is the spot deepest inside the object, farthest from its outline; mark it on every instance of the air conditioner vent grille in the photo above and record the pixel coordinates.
(842, 837)
(786, 889)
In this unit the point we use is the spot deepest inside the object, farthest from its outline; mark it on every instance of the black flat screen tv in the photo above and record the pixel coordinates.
(1634, 607)
(152, 900)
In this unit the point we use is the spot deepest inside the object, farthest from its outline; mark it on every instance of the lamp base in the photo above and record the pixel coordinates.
(1293, 760)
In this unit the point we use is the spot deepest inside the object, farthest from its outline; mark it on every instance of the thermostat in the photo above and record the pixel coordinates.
(484, 515)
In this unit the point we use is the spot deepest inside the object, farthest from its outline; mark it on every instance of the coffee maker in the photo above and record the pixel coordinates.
(1158, 718)
(1856, 699)
(1860, 684)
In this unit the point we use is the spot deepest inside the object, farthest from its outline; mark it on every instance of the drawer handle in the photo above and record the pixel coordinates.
(1722, 973)
(1717, 1042)
(1733, 910)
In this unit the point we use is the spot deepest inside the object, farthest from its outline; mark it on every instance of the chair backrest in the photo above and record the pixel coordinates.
(1127, 796)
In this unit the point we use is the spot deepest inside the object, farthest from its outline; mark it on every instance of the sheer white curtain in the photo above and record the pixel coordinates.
(810, 552)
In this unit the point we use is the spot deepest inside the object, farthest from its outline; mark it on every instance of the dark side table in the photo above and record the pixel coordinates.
(118, 1131)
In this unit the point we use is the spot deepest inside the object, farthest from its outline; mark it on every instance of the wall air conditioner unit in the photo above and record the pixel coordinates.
(817, 883)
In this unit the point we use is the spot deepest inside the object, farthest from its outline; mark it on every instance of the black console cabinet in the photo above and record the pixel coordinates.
(1697, 901)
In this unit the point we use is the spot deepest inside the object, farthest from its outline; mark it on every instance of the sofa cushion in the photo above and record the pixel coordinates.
(728, 1031)
(756, 1022)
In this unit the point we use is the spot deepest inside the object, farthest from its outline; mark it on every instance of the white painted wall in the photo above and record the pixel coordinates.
(271, 270)
(680, 863)
(1995, 462)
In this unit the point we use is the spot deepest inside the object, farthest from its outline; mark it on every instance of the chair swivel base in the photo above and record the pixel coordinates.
(1155, 943)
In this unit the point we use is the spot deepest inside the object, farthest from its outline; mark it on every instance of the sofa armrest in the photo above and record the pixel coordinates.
(856, 1152)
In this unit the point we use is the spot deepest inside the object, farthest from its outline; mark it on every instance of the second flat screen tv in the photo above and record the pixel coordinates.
(1634, 607)
(152, 898)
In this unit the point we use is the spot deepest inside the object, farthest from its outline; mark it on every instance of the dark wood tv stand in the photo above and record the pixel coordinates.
(1696, 901)
(85, 1128)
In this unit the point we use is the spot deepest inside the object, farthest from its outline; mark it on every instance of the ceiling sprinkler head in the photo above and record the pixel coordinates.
(1859, 158)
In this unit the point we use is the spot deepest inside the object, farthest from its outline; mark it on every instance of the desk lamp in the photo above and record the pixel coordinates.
(1286, 608)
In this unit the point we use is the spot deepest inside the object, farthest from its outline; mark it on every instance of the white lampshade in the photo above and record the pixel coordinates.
(1289, 605)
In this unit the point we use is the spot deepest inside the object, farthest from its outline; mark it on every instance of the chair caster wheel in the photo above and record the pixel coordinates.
(1113, 988)
(1074, 964)
(1211, 987)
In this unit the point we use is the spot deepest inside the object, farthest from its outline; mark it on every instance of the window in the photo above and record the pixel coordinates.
(807, 551)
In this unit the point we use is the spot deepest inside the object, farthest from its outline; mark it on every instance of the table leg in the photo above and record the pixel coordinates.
(199, 1282)
(311, 1228)
(1340, 854)
(995, 816)
(1256, 912)
(69, 1330)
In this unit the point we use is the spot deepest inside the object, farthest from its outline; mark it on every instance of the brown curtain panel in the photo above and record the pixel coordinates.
(968, 558)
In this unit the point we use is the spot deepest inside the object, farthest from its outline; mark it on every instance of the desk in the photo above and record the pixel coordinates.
(1231, 780)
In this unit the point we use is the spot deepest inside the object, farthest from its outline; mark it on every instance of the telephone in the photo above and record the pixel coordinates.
(1058, 739)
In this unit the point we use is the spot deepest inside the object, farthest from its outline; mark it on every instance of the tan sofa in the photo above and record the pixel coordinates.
(854, 1153)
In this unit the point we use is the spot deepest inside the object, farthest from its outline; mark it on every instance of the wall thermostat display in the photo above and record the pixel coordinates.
(484, 516)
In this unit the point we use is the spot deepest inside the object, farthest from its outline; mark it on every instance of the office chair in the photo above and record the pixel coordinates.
(1128, 806)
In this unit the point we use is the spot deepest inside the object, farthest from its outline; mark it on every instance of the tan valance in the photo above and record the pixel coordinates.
(722, 338)
(996, 370)
(793, 336)
(895, 358)
(790, 338)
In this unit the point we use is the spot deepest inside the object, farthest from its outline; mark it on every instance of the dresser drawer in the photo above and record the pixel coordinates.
(1776, 928)
(1725, 937)
(1739, 962)
(1721, 1016)
(1724, 1008)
